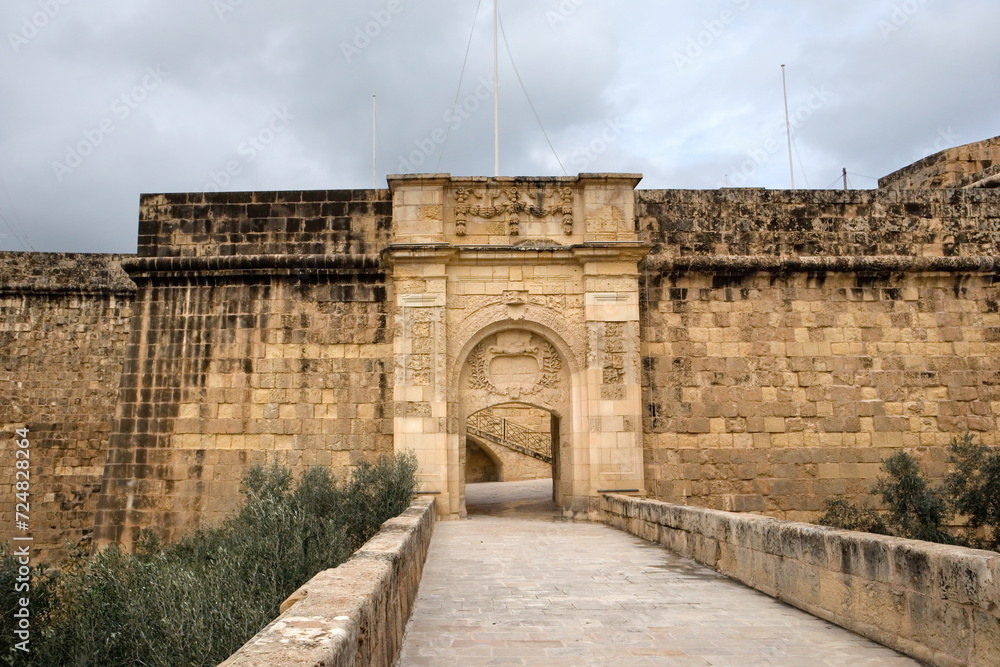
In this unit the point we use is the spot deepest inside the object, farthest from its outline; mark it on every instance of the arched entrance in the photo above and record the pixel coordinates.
(513, 377)
(508, 291)
(514, 442)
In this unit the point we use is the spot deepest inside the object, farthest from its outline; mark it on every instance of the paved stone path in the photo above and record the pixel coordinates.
(513, 586)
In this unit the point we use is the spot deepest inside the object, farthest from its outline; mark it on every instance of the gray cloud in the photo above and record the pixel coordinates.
(900, 77)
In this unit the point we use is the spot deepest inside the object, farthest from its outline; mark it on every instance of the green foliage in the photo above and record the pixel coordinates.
(914, 510)
(973, 489)
(376, 493)
(843, 514)
(42, 591)
(917, 511)
(197, 601)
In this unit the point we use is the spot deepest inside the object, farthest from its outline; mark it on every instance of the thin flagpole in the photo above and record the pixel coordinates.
(496, 90)
(788, 125)
(374, 146)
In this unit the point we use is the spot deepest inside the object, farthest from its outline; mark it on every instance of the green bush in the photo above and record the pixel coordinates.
(973, 489)
(840, 513)
(914, 510)
(917, 511)
(43, 584)
(197, 601)
(374, 494)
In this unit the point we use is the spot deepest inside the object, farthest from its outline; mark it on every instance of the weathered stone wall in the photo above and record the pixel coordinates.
(790, 341)
(937, 603)
(860, 223)
(534, 419)
(63, 326)
(256, 352)
(952, 168)
(479, 467)
(774, 380)
(513, 465)
(353, 615)
(355, 223)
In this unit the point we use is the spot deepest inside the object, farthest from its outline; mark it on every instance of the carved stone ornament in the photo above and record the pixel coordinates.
(517, 304)
(509, 204)
(517, 364)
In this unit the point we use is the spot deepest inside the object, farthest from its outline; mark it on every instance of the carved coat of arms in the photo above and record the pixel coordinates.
(510, 204)
(517, 364)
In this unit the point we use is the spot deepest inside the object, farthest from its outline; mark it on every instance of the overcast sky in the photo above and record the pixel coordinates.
(106, 100)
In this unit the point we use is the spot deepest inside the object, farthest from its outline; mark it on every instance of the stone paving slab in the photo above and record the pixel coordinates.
(530, 590)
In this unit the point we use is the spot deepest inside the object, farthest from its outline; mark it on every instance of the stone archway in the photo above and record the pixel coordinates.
(520, 363)
(517, 437)
(508, 290)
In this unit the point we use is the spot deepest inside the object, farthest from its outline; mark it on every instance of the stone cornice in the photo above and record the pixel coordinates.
(870, 265)
(249, 265)
(65, 291)
(443, 253)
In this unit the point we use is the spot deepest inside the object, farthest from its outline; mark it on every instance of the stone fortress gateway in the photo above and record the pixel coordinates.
(747, 350)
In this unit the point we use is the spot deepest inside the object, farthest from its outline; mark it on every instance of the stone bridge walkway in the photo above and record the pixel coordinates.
(513, 586)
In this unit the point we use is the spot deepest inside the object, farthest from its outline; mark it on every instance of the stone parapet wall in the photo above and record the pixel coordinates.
(828, 223)
(63, 328)
(954, 167)
(937, 603)
(354, 615)
(312, 222)
(63, 273)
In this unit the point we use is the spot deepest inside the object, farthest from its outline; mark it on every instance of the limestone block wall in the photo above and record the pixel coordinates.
(774, 379)
(354, 615)
(310, 222)
(479, 467)
(520, 468)
(63, 327)
(248, 355)
(513, 466)
(951, 168)
(860, 223)
(534, 419)
(937, 603)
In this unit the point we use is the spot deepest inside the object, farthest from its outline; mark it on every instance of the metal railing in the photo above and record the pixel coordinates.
(510, 435)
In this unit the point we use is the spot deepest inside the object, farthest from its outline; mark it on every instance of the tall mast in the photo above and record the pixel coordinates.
(788, 124)
(496, 90)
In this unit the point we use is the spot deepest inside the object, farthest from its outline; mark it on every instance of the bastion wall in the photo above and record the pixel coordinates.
(258, 334)
(64, 322)
(790, 341)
